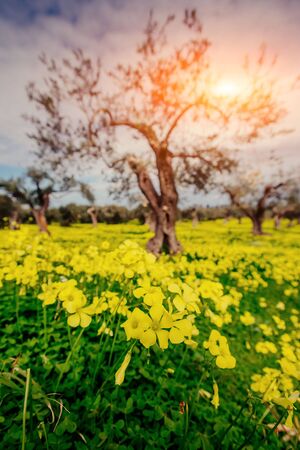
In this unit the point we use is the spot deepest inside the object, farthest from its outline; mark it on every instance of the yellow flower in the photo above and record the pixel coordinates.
(68, 291)
(49, 294)
(289, 368)
(218, 346)
(266, 384)
(289, 352)
(120, 374)
(247, 319)
(214, 318)
(129, 273)
(136, 324)
(285, 338)
(181, 329)
(288, 404)
(215, 400)
(75, 305)
(80, 315)
(104, 329)
(262, 302)
(211, 289)
(159, 321)
(186, 298)
(265, 347)
(266, 329)
(279, 322)
(152, 295)
(99, 304)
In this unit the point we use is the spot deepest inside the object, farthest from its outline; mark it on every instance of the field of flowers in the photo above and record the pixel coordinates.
(104, 346)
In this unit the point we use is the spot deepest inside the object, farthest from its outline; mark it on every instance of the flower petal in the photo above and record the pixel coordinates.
(176, 336)
(148, 338)
(166, 321)
(85, 319)
(174, 288)
(74, 320)
(71, 307)
(156, 312)
(139, 292)
(120, 374)
(163, 337)
(179, 303)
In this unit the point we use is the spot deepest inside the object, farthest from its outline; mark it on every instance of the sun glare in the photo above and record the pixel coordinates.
(227, 88)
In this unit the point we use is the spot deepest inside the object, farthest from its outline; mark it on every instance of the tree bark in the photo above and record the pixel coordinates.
(41, 221)
(150, 220)
(93, 214)
(257, 225)
(163, 206)
(165, 238)
(40, 213)
(14, 221)
(195, 220)
(277, 221)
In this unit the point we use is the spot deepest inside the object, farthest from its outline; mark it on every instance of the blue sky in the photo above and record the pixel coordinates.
(110, 27)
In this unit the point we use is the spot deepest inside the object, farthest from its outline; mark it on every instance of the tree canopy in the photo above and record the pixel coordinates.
(178, 127)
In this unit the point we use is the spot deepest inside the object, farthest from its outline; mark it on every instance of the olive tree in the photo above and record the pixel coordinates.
(253, 193)
(35, 188)
(163, 98)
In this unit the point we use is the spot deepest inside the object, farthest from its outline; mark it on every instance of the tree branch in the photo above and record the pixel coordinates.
(176, 120)
(142, 128)
(268, 191)
(195, 156)
(237, 203)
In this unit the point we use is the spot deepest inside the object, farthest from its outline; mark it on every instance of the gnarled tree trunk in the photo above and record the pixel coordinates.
(14, 221)
(164, 239)
(163, 206)
(195, 220)
(93, 214)
(257, 225)
(40, 213)
(150, 220)
(277, 221)
(41, 221)
(165, 234)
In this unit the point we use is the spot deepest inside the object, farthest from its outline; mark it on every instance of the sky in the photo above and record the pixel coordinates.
(111, 29)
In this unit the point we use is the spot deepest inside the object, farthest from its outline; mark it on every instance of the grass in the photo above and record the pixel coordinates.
(165, 400)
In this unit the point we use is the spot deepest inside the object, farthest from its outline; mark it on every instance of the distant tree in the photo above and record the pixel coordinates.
(253, 194)
(113, 214)
(68, 215)
(35, 188)
(92, 212)
(163, 97)
(289, 204)
(9, 213)
(53, 215)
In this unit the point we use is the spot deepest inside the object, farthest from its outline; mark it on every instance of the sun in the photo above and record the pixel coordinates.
(227, 88)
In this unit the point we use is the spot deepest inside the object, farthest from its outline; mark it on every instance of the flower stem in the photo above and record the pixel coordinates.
(114, 340)
(25, 408)
(68, 358)
(45, 326)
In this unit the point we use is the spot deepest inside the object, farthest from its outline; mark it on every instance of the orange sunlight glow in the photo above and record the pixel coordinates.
(228, 88)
